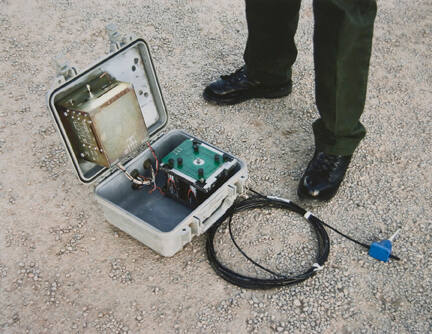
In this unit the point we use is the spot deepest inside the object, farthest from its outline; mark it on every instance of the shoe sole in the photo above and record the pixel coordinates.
(303, 195)
(231, 100)
(307, 197)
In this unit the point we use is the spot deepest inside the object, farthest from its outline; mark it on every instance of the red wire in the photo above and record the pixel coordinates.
(173, 183)
(154, 156)
(144, 178)
(189, 192)
(158, 188)
(157, 170)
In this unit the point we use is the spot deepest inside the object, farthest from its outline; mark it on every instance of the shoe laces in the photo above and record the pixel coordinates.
(236, 76)
(325, 163)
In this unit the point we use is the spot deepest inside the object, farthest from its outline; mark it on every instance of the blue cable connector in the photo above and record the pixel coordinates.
(381, 250)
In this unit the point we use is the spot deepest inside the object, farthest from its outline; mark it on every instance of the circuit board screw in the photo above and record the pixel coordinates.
(200, 173)
(179, 161)
(195, 146)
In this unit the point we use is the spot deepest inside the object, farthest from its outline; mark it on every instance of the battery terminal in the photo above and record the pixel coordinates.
(89, 91)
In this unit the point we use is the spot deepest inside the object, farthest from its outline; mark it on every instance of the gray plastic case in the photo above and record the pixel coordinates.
(157, 221)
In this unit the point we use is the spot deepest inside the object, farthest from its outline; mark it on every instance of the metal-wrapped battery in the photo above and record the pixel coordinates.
(104, 120)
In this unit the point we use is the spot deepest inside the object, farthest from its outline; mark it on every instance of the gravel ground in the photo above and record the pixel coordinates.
(64, 269)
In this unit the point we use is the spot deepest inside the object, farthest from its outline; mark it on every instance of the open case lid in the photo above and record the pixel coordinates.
(132, 63)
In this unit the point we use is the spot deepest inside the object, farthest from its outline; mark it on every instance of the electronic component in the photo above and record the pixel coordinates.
(129, 181)
(104, 120)
(381, 250)
(194, 170)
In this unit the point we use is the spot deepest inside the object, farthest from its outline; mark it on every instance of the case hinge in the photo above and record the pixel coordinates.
(156, 138)
(117, 41)
(63, 70)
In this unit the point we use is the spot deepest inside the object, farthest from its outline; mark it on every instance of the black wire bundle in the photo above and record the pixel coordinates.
(260, 201)
(279, 279)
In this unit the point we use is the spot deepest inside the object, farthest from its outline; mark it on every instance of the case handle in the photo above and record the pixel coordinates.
(227, 201)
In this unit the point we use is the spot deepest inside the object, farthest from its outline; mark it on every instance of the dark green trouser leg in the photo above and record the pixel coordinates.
(270, 49)
(342, 43)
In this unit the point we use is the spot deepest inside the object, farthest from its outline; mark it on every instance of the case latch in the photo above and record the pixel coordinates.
(63, 70)
(117, 41)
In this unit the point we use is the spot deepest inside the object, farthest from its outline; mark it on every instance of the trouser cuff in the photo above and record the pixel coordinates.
(328, 142)
(269, 77)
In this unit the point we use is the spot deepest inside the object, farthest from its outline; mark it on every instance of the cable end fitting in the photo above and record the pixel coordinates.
(381, 250)
(317, 267)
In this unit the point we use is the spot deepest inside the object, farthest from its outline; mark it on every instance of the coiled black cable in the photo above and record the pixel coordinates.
(260, 201)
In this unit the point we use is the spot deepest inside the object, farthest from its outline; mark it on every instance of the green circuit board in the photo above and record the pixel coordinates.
(193, 156)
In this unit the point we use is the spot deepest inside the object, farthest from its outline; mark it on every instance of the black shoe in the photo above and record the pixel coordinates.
(237, 87)
(323, 176)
